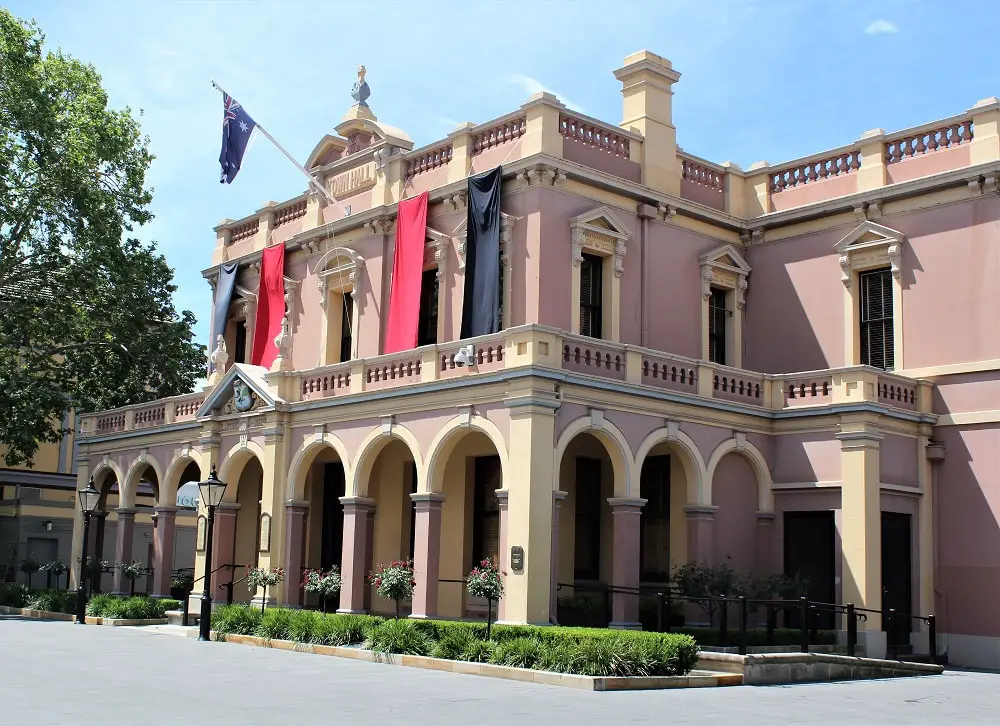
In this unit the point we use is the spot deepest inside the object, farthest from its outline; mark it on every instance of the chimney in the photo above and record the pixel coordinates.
(646, 108)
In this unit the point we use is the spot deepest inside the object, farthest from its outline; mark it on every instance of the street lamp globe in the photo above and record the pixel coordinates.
(212, 490)
(89, 498)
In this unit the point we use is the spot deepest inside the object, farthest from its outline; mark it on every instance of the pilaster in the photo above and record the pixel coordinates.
(427, 553)
(355, 559)
(557, 500)
(163, 550)
(626, 514)
(700, 533)
(985, 145)
(541, 133)
(124, 531)
(296, 513)
(461, 152)
(872, 173)
(272, 502)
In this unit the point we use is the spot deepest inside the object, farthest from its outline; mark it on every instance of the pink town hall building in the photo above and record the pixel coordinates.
(794, 367)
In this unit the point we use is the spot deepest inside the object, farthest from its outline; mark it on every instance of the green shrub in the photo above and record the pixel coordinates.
(478, 651)
(115, 609)
(274, 624)
(454, 643)
(518, 653)
(601, 657)
(302, 625)
(170, 604)
(53, 601)
(13, 594)
(236, 620)
(97, 605)
(399, 636)
(343, 629)
(560, 658)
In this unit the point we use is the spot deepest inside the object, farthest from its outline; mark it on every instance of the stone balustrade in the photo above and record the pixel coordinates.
(245, 230)
(926, 140)
(422, 161)
(627, 364)
(604, 137)
(703, 173)
(498, 133)
(841, 162)
(289, 212)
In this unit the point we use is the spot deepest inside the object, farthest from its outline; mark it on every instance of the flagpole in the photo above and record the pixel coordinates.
(313, 182)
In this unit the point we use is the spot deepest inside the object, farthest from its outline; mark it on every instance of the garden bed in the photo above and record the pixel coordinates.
(463, 647)
(694, 679)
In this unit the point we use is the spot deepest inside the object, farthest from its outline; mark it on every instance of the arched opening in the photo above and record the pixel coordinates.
(467, 472)
(663, 483)
(392, 480)
(586, 474)
(175, 533)
(237, 540)
(101, 544)
(324, 527)
(247, 542)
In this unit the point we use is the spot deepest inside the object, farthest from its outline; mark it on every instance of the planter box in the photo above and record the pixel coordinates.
(525, 675)
(36, 614)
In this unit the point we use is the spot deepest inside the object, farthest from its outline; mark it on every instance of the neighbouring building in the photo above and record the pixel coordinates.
(790, 367)
(37, 509)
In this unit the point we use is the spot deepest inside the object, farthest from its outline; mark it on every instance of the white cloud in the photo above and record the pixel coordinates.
(532, 86)
(881, 27)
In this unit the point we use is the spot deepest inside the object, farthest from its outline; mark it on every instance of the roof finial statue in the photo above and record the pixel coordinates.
(361, 91)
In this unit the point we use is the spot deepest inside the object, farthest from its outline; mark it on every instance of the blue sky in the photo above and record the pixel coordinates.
(762, 79)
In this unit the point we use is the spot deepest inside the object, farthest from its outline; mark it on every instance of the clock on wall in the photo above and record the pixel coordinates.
(243, 397)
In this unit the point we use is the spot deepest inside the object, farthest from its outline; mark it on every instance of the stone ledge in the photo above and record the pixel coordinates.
(524, 675)
(36, 614)
(780, 668)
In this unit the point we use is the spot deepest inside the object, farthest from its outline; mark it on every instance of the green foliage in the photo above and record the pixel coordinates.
(53, 601)
(342, 629)
(275, 624)
(478, 651)
(97, 605)
(86, 315)
(13, 594)
(399, 636)
(518, 653)
(236, 620)
(302, 625)
(138, 607)
(452, 644)
(169, 603)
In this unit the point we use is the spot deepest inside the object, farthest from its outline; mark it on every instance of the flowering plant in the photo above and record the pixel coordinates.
(484, 581)
(56, 567)
(265, 577)
(131, 570)
(324, 584)
(394, 581)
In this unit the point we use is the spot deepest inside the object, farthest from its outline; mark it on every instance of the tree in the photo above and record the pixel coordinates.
(87, 319)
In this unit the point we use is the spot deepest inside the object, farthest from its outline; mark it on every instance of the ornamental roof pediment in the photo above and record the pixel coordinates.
(242, 384)
(727, 256)
(867, 234)
(603, 221)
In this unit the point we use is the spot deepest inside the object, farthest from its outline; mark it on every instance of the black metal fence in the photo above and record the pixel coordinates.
(803, 613)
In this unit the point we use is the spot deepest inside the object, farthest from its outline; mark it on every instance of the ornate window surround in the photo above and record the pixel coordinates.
(338, 272)
(436, 254)
(461, 233)
(724, 269)
(599, 232)
(870, 246)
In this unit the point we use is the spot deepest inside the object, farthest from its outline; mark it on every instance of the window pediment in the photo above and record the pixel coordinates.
(870, 245)
(724, 267)
(601, 231)
(461, 235)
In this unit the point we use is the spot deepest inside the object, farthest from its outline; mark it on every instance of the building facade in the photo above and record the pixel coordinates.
(784, 368)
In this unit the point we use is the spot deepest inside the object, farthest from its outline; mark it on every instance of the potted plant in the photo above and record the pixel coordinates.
(485, 581)
(55, 568)
(130, 571)
(29, 567)
(325, 584)
(261, 577)
(394, 581)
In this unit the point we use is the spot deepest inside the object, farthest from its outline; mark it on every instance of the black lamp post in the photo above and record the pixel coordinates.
(89, 499)
(212, 491)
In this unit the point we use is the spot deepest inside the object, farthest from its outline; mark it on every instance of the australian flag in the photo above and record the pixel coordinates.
(236, 129)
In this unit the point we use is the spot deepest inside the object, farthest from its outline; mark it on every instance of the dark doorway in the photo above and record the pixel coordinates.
(587, 546)
(897, 566)
(333, 515)
(810, 553)
(486, 510)
(654, 522)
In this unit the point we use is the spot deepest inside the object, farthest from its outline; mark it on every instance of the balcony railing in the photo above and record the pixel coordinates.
(542, 347)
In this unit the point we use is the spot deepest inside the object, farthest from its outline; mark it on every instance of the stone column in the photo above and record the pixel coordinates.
(223, 552)
(426, 554)
(355, 557)
(861, 526)
(296, 513)
(99, 521)
(625, 562)
(700, 533)
(163, 550)
(503, 556)
(369, 556)
(124, 530)
(557, 500)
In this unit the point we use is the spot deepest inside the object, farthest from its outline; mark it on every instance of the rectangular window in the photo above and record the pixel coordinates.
(346, 323)
(717, 327)
(876, 319)
(654, 522)
(587, 544)
(427, 329)
(240, 352)
(486, 510)
(591, 277)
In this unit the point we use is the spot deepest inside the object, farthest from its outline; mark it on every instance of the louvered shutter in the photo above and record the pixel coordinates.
(876, 319)
(591, 312)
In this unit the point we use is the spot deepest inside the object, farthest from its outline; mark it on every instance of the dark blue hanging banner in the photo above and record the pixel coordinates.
(223, 296)
(481, 305)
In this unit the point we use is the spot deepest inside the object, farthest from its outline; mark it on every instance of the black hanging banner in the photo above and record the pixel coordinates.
(481, 306)
(223, 296)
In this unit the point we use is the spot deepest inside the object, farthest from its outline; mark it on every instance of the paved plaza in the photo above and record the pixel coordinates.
(59, 673)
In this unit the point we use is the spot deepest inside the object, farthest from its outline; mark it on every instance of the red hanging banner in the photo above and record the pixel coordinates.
(270, 306)
(407, 269)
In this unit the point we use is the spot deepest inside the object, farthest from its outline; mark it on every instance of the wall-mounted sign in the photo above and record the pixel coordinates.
(188, 495)
(517, 559)
(265, 532)
(200, 538)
